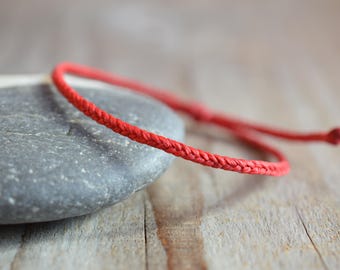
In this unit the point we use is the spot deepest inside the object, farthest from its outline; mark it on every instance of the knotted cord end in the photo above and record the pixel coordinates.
(333, 136)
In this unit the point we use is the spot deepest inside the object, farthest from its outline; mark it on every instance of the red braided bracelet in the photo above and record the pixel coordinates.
(240, 129)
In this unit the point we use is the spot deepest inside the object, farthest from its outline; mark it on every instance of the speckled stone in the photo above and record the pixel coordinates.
(56, 163)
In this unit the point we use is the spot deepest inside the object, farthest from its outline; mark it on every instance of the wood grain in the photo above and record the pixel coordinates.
(276, 62)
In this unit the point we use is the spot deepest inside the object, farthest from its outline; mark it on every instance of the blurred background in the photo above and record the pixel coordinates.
(211, 45)
(36, 34)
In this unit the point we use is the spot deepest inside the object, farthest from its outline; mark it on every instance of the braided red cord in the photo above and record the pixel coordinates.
(239, 128)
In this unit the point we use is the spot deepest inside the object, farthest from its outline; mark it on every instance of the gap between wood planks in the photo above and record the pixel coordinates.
(23, 240)
(310, 238)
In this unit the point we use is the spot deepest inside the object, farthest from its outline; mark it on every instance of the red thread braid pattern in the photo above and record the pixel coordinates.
(240, 129)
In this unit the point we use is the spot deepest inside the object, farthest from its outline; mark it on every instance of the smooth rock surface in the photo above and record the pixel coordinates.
(57, 163)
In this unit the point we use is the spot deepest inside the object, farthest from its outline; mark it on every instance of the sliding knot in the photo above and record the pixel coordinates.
(333, 136)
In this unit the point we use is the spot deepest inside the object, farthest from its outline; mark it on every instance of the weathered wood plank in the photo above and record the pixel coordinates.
(111, 237)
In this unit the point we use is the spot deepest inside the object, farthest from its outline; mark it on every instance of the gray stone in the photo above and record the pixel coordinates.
(56, 163)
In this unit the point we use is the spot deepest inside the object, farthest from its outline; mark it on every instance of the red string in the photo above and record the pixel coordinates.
(243, 130)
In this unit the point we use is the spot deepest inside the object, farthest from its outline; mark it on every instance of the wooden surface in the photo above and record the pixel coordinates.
(277, 62)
